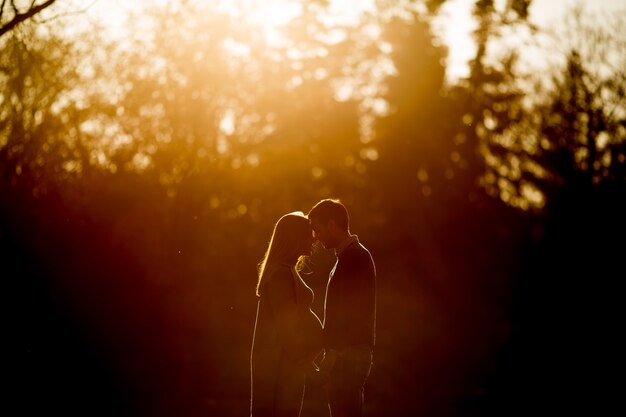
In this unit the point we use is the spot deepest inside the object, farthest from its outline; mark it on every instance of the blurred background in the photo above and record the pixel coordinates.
(147, 149)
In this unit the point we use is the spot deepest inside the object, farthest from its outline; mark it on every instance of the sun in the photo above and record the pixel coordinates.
(267, 16)
(271, 13)
(270, 16)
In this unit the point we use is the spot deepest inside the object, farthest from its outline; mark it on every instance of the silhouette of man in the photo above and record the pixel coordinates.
(349, 310)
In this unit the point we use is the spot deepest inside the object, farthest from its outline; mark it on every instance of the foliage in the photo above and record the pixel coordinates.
(533, 144)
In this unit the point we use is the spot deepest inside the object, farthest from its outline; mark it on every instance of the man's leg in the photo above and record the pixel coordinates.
(347, 382)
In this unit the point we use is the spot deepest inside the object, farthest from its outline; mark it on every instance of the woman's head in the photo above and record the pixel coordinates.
(291, 239)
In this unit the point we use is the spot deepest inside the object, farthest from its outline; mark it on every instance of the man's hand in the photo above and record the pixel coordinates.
(320, 374)
(328, 362)
(318, 377)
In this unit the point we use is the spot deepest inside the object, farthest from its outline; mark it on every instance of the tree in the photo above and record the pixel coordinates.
(36, 79)
(564, 150)
(569, 132)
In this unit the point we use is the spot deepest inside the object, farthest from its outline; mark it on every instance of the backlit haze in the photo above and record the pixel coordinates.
(454, 24)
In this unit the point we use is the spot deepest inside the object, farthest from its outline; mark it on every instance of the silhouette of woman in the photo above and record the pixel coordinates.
(287, 334)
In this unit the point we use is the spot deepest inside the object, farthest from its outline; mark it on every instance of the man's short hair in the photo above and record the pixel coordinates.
(331, 209)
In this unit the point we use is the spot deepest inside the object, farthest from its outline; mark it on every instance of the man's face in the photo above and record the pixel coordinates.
(322, 233)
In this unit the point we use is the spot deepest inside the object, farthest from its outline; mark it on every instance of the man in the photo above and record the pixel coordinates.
(349, 311)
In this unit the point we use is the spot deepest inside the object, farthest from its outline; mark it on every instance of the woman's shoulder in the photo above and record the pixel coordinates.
(280, 269)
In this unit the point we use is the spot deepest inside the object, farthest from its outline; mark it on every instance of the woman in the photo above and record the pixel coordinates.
(287, 334)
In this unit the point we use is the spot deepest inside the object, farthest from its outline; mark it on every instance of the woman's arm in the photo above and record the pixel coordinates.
(281, 297)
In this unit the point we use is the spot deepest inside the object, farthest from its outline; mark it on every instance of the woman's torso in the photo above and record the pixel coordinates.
(307, 334)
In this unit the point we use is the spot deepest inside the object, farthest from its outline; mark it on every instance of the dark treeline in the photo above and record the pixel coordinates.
(140, 181)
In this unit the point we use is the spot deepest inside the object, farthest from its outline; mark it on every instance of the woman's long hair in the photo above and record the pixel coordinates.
(290, 241)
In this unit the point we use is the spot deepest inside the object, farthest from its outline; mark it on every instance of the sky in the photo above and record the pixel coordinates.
(456, 25)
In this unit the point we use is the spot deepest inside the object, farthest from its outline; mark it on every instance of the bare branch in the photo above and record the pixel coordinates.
(21, 17)
(70, 13)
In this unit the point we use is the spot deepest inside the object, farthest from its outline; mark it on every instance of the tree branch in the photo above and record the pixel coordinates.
(2, 8)
(20, 17)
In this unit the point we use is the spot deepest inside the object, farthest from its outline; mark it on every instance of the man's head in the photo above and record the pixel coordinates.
(330, 222)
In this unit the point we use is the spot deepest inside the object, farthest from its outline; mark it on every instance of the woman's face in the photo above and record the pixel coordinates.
(308, 243)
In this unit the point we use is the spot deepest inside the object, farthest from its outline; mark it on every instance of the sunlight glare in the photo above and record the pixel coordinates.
(347, 12)
(266, 15)
(454, 26)
(227, 123)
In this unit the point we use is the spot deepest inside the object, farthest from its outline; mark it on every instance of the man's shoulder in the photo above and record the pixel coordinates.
(358, 247)
(357, 251)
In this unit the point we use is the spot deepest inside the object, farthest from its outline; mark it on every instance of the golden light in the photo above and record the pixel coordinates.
(266, 15)
(454, 26)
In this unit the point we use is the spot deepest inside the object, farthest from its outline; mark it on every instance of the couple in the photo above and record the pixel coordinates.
(288, 336)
